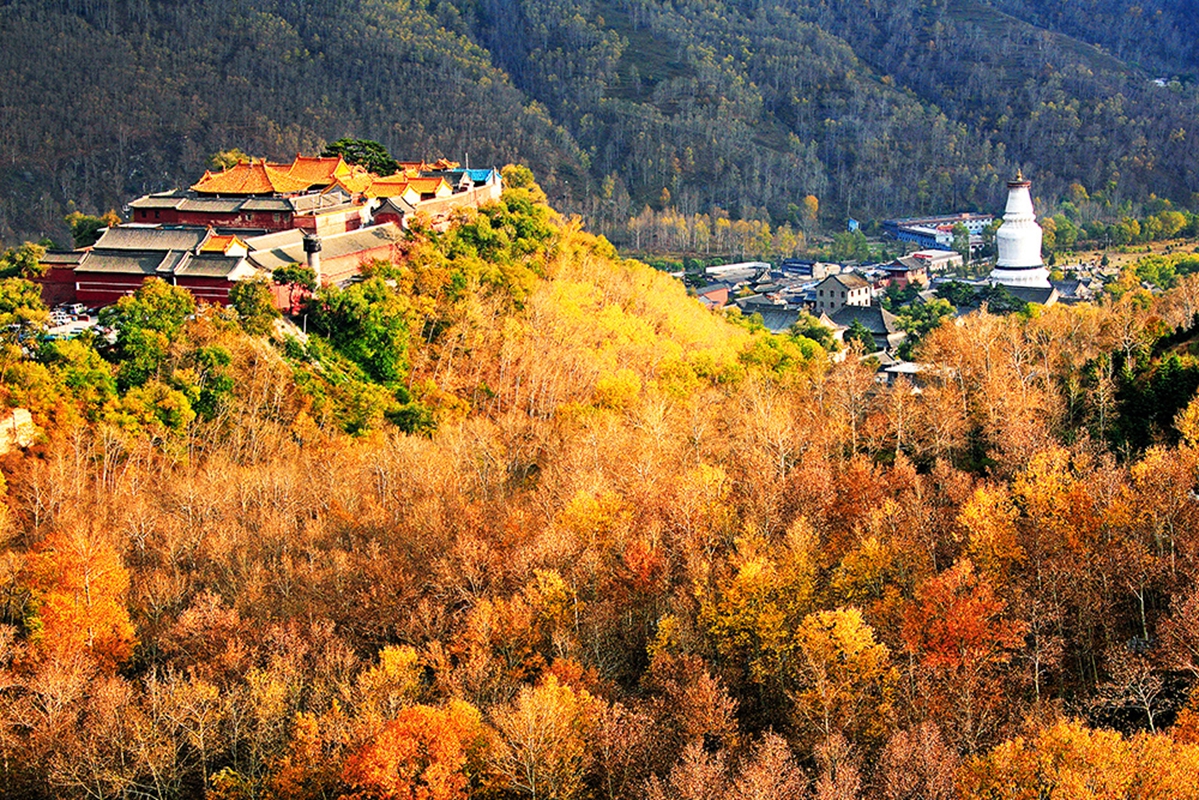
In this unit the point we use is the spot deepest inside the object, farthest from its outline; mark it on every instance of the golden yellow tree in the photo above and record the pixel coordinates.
(845, 675)
(543, 733)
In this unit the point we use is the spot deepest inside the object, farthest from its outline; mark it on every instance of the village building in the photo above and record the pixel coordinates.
(1077, 289)
(324, 196)
(936, 232)
(906, 271)
(779, 318)
(837, 291)
(316, 194)
(58, 281)
(1041, 295)
(938, 260)
(394, 210)
(253, 217)
(714, 295)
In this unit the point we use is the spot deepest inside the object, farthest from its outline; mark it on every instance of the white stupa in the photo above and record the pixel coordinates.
(1019, 241)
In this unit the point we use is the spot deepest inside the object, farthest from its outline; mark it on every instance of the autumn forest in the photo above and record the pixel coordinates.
(519, 519)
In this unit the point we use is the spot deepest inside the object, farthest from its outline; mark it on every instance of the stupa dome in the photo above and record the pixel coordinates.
(1019, 241)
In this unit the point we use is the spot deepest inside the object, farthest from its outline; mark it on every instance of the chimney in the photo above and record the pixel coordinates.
(312, 248)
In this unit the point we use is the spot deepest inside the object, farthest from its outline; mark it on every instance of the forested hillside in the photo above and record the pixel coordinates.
(520, 519)
(721, 108)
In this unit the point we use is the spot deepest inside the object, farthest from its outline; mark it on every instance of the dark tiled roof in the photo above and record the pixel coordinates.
(123, 263)
(207, 266)
(161, 200)
(67, 259)
(1033, 294)
(278, 255)
(757, 300)
(212, 205)
(128, 237)
(1068, 287)
(343, 244)
(877, 320)
(396, 205)
(849, 280)
(278, 204)
(778, 319)
(272, 252)
(906, 263)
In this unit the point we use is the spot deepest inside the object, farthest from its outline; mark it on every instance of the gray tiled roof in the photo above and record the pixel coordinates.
(849, 280)
(905, 263)
(1068, 287)
(280, 255)
(342, 244)
(273, 251)
(63, 259)
(278, 204)
(171, 261)
(212, 205)
(778, 319)
(122, 263)
(163, 200)
(876, 319)
(1033, 294)
(208, 265)
(396, 205)
(128, 237)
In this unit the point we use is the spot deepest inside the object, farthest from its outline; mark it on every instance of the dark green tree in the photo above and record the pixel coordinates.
(810, 327)
(255, 306)
(85, 229)
(958, 294)
(367, 323)
(920, 318)
(146, 323)
(295, 277)
(961, 241)
(364, 152)
(1000, 301)
(860, 333)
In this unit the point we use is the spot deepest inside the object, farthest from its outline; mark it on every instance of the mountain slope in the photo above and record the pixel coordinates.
(746, 107)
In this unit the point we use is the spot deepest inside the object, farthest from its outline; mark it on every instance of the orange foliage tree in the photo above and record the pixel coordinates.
(955, 630)
(425, 753)
(78, 585)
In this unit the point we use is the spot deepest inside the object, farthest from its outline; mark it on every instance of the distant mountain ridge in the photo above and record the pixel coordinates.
(876, 109)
